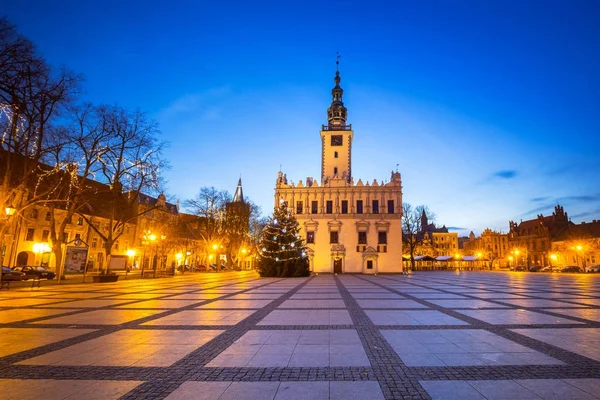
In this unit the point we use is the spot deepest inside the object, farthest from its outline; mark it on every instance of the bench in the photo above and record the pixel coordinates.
(35, 282)
(4, 284)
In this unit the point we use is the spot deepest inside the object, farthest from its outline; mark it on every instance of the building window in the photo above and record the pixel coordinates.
(335, 154)
(382, 237)
(78, 236)
(48, 216)
(35, 213)
(390, 206)
(310, 237)
(359, 206)
(334, 171)
(45, 234)
(375, 209)
(333, 237)
(314, 207)
(80, 221)
(344, 206)
(94, 243)
(329, 207)
(362, 237)
(298, 207)
(29, 235)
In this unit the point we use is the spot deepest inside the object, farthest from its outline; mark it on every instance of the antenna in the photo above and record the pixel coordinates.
(397, 167)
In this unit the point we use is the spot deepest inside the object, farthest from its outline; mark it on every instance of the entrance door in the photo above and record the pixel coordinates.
(22, 258)
(337, 266)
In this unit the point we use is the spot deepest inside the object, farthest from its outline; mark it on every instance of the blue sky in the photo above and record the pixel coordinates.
(490, 108)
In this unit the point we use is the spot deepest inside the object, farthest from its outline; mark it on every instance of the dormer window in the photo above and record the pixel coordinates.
(335, 154)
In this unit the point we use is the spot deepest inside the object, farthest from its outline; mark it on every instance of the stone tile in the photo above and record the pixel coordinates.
(130, 347)
(307, 317)
(380, 303)
(314, 303)
(16, 315)
(203, 317)
(582, 341)
(161, 304)
(503, 390)
(303, 391)
(358, 390)
(100, 317)
(451, 390)
(554, 389)
(199, 391)
(231, 304)
(469, 303)
(15, 340)
(425, 317)
(508, 317)
(65, 389)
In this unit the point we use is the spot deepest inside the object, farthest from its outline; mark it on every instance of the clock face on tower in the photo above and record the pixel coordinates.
(336, 140)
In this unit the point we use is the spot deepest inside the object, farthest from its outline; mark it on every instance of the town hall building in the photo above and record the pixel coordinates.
(348, 226)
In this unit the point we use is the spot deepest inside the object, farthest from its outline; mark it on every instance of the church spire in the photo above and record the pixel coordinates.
(238, 197)
(337, 113)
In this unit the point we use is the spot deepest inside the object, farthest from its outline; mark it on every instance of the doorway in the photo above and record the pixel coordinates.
(337, 265)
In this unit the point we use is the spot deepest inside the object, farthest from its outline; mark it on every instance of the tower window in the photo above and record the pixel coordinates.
(333, 237)
(362, 237)
(329, 207)
(344, 206)
(359, 206)
(335, 154)
(390, 207)
(334, 170)
(375, 209)
(382, 237)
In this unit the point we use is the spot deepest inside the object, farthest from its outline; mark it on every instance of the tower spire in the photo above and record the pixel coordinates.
(238, 197)
(337, 113)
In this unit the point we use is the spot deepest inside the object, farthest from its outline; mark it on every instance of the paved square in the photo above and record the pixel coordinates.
(233, 335)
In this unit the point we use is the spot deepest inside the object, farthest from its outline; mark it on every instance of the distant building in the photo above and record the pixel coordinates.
(434, 241)
(348, 226)
(491, 246)
(531, 241)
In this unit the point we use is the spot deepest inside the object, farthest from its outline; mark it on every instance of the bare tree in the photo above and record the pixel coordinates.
(412, 235)
(209, 206)
(130, 164)
(32, 97)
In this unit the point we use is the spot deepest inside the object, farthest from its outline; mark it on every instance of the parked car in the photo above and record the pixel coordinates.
(35, 272)
(518, 268)
(10, 275)
(535, 268)
(201, 268)
(547, 269)
(593, 268)
(571, 268)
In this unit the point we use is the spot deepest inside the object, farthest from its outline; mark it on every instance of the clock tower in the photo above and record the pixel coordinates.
(336, 139)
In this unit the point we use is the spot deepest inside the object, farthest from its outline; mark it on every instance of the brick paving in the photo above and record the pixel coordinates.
(439, 335)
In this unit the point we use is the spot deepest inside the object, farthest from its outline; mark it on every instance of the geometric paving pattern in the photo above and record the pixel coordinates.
(233, 335)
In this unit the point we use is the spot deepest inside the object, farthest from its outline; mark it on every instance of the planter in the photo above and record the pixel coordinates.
(105, 278)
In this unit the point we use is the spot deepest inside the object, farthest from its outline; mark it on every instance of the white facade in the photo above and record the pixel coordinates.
(348, 227)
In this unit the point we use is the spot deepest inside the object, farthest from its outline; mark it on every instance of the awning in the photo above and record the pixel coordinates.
(424, 258)
(445, 258)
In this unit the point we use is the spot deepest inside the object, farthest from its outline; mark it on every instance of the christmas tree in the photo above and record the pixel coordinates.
(282, 251)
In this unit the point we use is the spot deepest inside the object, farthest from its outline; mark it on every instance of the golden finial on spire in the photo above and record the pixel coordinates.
(337, 61)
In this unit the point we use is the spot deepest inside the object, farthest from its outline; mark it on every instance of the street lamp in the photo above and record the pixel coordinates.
(553, 257)
(10, 211)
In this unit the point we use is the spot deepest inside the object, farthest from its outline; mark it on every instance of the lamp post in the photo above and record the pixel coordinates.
(130, 254)
(553, 257)
(9, 211)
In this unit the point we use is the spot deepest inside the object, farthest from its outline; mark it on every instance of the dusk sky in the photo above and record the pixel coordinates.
(489, 108)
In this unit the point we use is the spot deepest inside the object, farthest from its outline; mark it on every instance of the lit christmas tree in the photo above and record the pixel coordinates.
(282, 249)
